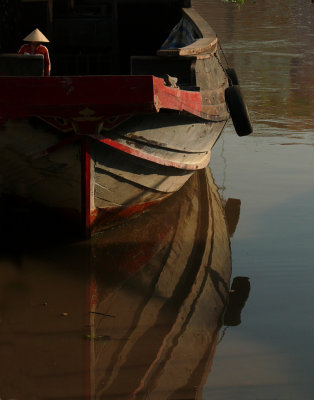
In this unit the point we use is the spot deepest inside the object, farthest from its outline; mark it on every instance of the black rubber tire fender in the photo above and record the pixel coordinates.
(232, 76)
(238, 110)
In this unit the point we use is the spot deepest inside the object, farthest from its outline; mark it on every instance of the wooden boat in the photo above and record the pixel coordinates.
(102, 140)
(133, 313)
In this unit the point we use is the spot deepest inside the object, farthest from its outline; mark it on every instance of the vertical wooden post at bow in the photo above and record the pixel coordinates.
(85, 185)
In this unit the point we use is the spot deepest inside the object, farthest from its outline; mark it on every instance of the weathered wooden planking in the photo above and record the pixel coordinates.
(199, 47)
(111, 192)
(158, 155)
(179, 67)
(207, 44)
(204, 29)
(210, 76)
(171, 131)
(134, 171)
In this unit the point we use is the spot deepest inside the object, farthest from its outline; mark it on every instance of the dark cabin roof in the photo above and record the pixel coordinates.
(93, 37)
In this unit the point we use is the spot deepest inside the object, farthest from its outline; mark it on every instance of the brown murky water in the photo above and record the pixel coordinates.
(137, 312)
(270, 355)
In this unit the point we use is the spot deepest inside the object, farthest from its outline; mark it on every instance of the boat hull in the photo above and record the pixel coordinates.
(98, 183)
(102, 148)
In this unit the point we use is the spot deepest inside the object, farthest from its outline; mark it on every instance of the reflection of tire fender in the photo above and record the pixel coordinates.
(238, 110)
(232, 76)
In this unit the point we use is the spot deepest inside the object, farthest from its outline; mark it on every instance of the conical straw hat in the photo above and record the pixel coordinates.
(36, 36)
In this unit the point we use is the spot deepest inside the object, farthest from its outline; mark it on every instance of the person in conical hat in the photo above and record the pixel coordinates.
(34, 46)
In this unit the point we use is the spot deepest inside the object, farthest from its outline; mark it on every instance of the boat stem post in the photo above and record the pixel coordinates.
(85, 186)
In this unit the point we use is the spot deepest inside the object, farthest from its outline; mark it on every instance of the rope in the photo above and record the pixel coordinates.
(222, 334)
(221, 64)
(223, 54)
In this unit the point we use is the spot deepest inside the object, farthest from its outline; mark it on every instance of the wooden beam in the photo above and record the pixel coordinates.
(200, 24)
(200, 46)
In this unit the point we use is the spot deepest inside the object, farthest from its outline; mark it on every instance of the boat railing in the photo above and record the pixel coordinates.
(204, 29)
(178, 67)
(205, 43)
(201, 48)
(191, 39)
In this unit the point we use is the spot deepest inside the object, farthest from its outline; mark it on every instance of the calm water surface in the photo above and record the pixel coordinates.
(270, 355)
(87, 320)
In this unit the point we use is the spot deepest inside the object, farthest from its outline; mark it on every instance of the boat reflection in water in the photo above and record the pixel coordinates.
(134, 313)
(238, 296)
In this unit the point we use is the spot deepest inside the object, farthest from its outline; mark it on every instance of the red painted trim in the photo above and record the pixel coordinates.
(149, 157)
(57, 146)
(91, 97)
(189, 101)
(106, 217)
(79, 98)
(85, 185)
(176, 99)
(88, 103)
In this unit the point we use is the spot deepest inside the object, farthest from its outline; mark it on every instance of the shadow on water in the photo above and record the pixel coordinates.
(133, 313)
